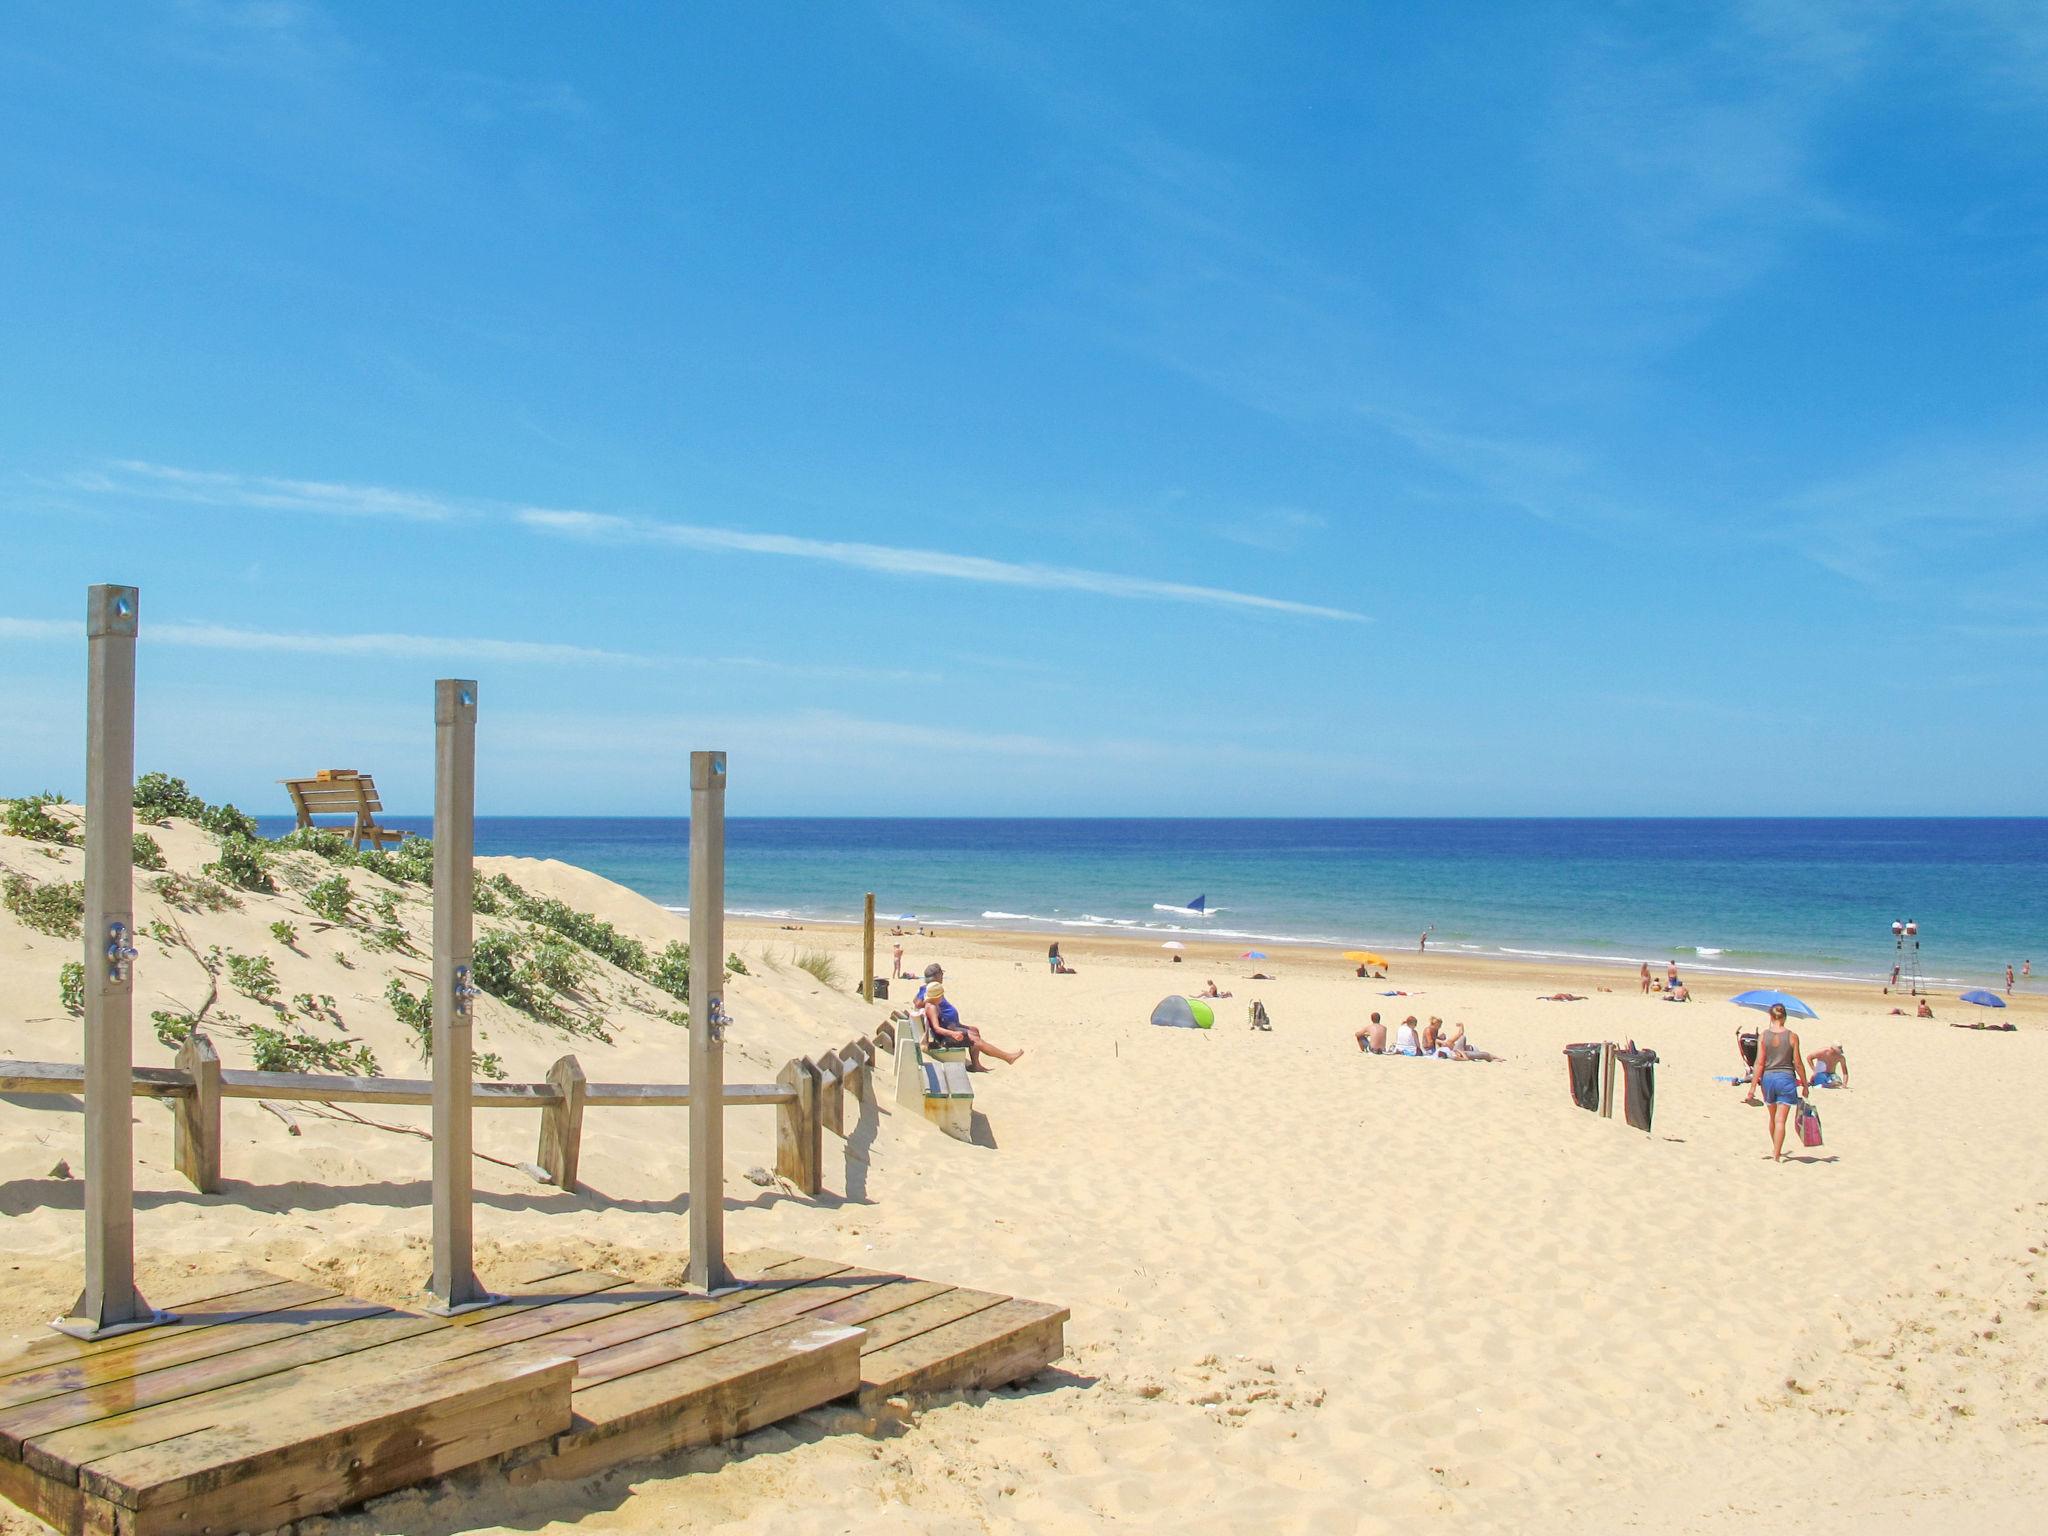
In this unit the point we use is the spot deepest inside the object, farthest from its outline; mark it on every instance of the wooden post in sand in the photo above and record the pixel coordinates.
(1607, 1080)
(867, 950)
(708, 1270)
(454, 1283)
(110, 1302)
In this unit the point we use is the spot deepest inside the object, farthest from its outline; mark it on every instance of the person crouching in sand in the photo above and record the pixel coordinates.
(1373, 1037)
(943, 1024)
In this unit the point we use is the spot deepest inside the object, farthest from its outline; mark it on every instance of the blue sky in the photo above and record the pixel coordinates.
(1067, 409)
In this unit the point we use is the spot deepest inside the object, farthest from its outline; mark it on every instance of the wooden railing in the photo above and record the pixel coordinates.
(809, 1096)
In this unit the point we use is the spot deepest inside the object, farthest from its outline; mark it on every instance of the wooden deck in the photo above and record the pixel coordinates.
(269, 1399)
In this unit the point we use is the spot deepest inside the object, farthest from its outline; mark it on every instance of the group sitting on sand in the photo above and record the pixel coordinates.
(943, 1025)
(1413, 1039)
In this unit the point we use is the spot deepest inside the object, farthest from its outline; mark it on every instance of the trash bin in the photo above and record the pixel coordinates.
(881, 989)
(1639, 1073)
(1582, 1062)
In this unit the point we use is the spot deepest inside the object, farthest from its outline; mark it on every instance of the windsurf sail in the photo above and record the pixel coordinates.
(1199, 907)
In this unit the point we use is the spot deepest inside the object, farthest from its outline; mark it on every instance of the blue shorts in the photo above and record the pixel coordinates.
(1781, 1088)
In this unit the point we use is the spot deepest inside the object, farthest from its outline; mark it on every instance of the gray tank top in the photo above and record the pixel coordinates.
(1777, 1044)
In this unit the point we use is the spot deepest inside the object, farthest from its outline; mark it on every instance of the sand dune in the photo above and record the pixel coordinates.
(1312, 1290)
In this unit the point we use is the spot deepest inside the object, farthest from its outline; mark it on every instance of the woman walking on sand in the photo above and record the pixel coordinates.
(1782, 1075)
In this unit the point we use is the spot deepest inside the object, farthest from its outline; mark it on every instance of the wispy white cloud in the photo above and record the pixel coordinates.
(896, 560)
(403, 647)
(1280, 529)
(272, 493)
(267, 493)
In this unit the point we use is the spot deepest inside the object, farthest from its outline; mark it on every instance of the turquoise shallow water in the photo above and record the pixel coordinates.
(1778, 897)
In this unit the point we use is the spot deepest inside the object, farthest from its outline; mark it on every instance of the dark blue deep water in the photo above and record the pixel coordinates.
(1793, 897)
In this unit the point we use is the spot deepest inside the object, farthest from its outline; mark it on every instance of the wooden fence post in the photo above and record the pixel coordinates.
(454, 1284)
(1607, 1080)
(197, 1119)
(799, 1138)
(867, 950)
(707, 1271)
(831, 1094)
(109, 1302)
(561, 1124)
(853, 1073)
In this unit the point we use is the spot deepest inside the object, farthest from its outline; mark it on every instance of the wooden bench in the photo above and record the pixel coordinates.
(342, 792)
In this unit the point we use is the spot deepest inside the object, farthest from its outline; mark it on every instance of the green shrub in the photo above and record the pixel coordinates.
(483, 896)
(415, 1013)
(330, 899)
(671, 969)
(173, 1028)
(414, 861)
(324, 841)
(820, 963)
(278, 1050)
(252, 975)
(487, 1064)
(226, 821)
(285, 934)
(593, 933)
(71, 986)
(30, 817)
(148, 853)
(162, 933)
(56, 908)
(735, 966)
(200, 895)
(243, 862)
(158, 797)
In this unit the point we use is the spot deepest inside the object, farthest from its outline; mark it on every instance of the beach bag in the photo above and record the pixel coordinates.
(1809, 1124)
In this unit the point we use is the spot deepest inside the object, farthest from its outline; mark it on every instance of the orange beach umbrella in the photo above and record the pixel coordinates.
(1364, 957)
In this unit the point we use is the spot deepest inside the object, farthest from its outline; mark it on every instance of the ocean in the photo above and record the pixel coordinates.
(1776, 897)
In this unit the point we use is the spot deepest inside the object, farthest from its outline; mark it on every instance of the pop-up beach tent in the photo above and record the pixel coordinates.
(1184, 1013)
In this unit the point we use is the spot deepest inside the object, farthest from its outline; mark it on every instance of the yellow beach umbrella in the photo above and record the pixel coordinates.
(1365, 957)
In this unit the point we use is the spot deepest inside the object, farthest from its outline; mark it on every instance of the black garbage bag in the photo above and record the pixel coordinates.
(1639, 1074)
(1583, 1063)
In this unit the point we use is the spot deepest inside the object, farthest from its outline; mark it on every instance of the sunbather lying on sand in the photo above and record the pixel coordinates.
(1455, 1044)
(1995, 1028)
(1561, 997)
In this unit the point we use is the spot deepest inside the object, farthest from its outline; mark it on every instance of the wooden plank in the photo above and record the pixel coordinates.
(56, 1502)
(337, 1445)
(69, 1077)
(237, 1297)
(84, 1426)
(626, 1329)
(677, 1095)
(721, 1327)
(864, 1309)
(322, 1088)
(991, 1347)
(708, 1397)
(196, 1335)
(949, 1306)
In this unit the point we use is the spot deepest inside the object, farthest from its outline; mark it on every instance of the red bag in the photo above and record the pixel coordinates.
(1809, 1124)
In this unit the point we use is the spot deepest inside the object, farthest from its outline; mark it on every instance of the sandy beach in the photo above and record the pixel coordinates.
(1312, 1290)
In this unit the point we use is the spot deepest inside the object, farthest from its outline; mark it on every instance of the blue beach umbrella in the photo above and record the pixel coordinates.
(1982, 998)
(1253, 954)
(1763, 998)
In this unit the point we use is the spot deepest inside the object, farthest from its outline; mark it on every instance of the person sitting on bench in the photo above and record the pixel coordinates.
(943, 1025)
